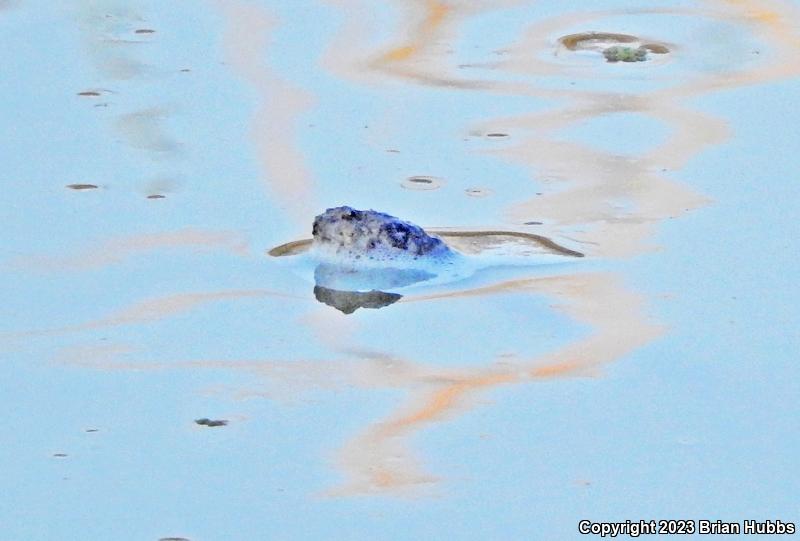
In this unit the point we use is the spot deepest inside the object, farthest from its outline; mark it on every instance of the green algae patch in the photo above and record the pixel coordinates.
(619, 53)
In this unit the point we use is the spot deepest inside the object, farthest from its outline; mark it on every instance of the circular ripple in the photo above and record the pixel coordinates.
(595, 41)
(610, 44)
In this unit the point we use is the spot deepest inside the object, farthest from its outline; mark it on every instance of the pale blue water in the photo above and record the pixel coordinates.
(656, 378)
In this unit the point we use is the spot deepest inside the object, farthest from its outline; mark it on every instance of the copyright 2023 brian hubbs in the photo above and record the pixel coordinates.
(631, 528)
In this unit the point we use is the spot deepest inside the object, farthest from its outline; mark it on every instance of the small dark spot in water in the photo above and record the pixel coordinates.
(81, 186)
(60, 455)
(91, 93)
(156, 196)
(145, 31)
(422, 182)
(92, 430)
(538, 193)
(496, 135)
(392, 150)
(185, 70)
(478, 192)
(534, 223)
(101, 104)
(209, 422)
(173, 539)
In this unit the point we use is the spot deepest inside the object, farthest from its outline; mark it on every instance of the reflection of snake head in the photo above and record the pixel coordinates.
(348, 302)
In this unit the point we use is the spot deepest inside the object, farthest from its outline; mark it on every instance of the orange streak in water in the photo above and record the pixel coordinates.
(118, 249)
(377, 458)
(274, 123)
(153, 309)
(774, 19)
(756, 11)
(436, 14)
(444, 400)
(555, 370)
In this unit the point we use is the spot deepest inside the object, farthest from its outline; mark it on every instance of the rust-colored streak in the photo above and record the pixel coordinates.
(421, 53)
(443, 400)
(159, 308)
(119, 249)
(154, 309)
(590, 180)
(401, 53)
(380, 459)
(436, 14)
(274, 122)
(555, 370)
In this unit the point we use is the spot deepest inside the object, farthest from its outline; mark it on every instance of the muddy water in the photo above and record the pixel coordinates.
(653, 378)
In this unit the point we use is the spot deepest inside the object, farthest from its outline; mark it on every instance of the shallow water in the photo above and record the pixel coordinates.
(154, 154)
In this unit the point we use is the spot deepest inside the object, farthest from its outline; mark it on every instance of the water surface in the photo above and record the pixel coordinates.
(153, 154)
